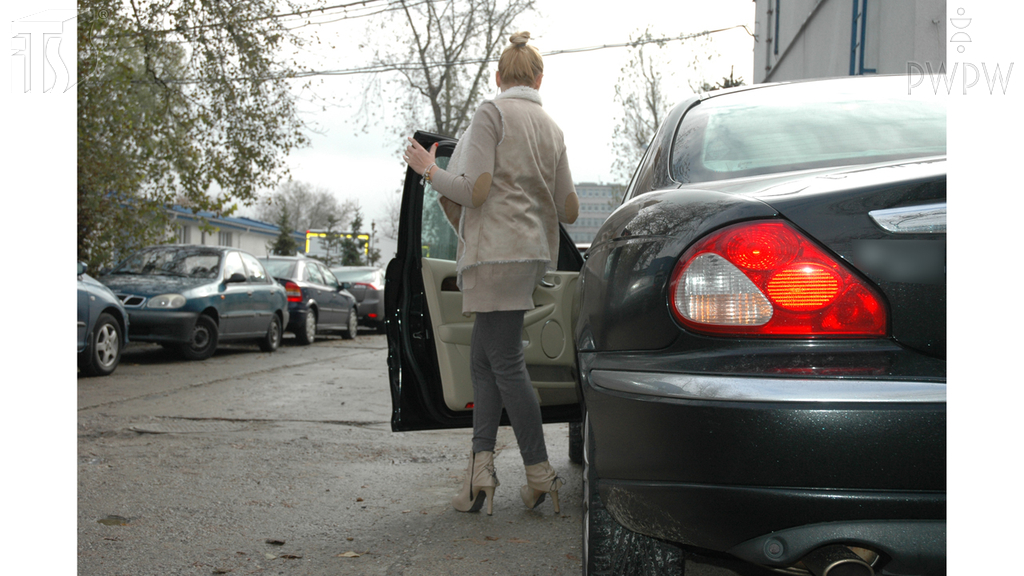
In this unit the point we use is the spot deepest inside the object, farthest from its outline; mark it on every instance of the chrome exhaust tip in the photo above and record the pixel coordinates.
(836, 560)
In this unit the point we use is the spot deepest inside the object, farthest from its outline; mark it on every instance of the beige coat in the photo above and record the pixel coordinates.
(508, 185)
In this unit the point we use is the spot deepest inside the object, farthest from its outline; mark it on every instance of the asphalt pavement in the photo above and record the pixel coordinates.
(284, 463)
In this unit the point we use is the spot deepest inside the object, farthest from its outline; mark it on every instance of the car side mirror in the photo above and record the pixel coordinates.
(345, 286)
(82, 268)
(235, 278)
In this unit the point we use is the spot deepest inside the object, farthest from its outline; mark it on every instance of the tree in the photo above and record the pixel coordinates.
(179, 102)
(311, 207)
(351, 251)
(284, 244)
(443, 61)
(640, 91)
(333, 242)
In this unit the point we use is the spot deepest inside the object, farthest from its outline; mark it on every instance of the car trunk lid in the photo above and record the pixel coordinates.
(888, 223)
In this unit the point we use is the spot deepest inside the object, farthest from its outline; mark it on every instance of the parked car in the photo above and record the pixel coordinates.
(368, 288)
(102, 326)
(317, 301)
(757, 349)
(192, 298)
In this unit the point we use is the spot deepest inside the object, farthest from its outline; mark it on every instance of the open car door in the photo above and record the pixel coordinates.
(428, 335)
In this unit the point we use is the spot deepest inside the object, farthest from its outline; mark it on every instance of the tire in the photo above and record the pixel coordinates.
(307, 335)
(203, 340)
(103, 353)
(272, 340)
(610, 549)
(576, 442)
(353, 325)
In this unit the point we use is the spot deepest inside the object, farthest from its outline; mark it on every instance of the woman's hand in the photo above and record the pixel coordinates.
(417, 156)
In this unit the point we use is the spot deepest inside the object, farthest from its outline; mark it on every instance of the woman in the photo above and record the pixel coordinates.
(506, 188)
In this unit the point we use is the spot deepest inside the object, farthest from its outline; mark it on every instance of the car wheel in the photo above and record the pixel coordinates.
(272, 340)
(308, 332)
(353, 325)
(611, 549)
(104, 350)
(576, 442)
(203, 341)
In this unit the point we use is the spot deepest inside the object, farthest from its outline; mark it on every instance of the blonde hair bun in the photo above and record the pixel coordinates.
(519, 38)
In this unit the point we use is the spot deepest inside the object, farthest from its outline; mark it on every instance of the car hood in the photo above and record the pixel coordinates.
(151, 285)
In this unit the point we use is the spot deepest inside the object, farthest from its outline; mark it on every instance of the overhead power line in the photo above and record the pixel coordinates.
(380, 68)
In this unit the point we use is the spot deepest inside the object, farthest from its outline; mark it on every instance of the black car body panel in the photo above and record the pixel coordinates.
(690, 442)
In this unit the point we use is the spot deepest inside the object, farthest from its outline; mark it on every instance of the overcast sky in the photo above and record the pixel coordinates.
(578, 89)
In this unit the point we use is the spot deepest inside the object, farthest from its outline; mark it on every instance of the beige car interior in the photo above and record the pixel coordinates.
(547, 335)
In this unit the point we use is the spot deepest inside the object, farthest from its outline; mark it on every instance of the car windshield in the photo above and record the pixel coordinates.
(353, 275)
(804, 126)
(181, 262)
(279, 268)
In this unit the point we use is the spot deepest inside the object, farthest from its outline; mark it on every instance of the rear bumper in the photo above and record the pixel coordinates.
(723, 462)
(296, 317)
(371, 310)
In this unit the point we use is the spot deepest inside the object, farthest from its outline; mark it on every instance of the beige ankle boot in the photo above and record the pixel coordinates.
(478, 485)
(541, 480)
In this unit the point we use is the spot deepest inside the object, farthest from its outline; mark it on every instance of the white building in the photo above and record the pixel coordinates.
(797, 39)
(597, 202)
(247, 234)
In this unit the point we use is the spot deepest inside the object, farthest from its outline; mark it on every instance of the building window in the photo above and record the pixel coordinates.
(184, 234)
(224, 238)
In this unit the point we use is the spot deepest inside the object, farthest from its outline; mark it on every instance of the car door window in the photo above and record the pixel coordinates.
(257, 274)
(437, 237)
(329, 279)
(233, 265)
(314, 274)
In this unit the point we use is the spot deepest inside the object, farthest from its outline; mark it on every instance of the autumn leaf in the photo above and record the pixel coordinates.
(347, 555)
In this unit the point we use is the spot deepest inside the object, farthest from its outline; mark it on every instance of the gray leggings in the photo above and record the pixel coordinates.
(499, 377)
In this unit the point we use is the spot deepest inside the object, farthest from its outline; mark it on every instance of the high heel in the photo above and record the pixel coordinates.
(478, 485)
(541, 480)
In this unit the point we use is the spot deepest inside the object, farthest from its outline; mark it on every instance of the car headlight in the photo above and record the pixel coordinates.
(166, 301)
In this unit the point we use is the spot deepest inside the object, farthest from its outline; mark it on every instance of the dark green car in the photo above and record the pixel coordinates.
(193, 297)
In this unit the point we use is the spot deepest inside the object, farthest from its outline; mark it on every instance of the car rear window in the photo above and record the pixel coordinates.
(354, 275)
(806, 125)
(279, 268)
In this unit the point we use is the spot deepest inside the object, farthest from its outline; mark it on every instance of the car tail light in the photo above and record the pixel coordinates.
(370, 285)
(767, 279)
(293, 292)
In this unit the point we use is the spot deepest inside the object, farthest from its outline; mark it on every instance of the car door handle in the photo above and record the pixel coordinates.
(249, 293)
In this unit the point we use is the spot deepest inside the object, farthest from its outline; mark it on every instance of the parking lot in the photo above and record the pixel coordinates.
(284, 463)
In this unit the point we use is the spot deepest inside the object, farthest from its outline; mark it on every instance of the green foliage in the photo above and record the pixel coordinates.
(333, 243)
(351, 250)
(179, 102)
(284, 244)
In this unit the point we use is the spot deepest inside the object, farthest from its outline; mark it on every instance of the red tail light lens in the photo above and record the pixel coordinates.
(293, 292)
(369, 285)
(767, 279)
